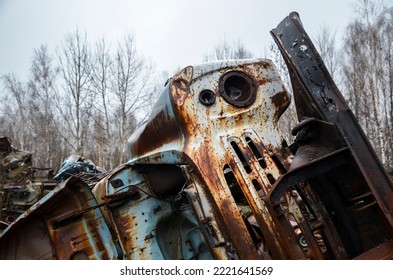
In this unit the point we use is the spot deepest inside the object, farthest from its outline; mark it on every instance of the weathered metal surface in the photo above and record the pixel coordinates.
(15, 173)
(65, 224)
(231, 144)
(21, 184)
(211, 177)
(383, 251)
(333, 155)
(151, 224)
(76, 164)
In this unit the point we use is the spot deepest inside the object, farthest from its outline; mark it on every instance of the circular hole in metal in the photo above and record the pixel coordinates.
(238, 89)
(207, 97)
(9, 219)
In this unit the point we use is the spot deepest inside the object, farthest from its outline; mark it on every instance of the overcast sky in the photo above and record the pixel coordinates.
(171, 33)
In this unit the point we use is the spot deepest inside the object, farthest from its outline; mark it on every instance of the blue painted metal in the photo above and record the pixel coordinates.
(65, 224)
(75, 164)
(185, 132)
(148, 227)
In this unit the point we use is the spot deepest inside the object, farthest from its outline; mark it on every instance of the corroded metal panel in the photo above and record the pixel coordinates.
(210, 176)
(65, 224)
(226, 116)
(150, 223)
(333, 158)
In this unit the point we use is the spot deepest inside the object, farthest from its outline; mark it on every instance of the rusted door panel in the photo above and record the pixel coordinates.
(65, 224)
(333, 154)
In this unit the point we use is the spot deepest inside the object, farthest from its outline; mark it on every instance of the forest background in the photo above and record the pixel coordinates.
(87, 98)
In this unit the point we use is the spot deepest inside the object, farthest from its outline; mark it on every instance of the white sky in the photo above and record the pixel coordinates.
(172, 33)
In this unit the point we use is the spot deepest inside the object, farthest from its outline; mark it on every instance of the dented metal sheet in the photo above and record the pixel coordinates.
(149, 224)
(65, 224)
(225, 115)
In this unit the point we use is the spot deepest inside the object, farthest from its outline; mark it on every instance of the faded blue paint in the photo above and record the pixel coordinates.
(87, 233)
(151, 203)
(168, 156)
(150, 227)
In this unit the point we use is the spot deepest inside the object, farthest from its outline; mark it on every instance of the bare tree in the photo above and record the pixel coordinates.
(228, 50)
(100, 75)
(240, 51)
(28, 112)
(130, 85)
(76, 101)
(42, 89)
(16, 108)
(327, 46)
(79, 101)
(367, 70)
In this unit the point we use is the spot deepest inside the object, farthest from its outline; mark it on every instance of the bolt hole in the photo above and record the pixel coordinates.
(207, 97)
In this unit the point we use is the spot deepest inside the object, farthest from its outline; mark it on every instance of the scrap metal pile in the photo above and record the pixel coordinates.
(210, 175)
(82, 168)
(22, 185)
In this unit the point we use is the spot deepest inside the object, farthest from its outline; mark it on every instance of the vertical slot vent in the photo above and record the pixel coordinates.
(241, 156)
(233, 185)
(271, 178)
(256, 153)
(258, 188)
(278, 163)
